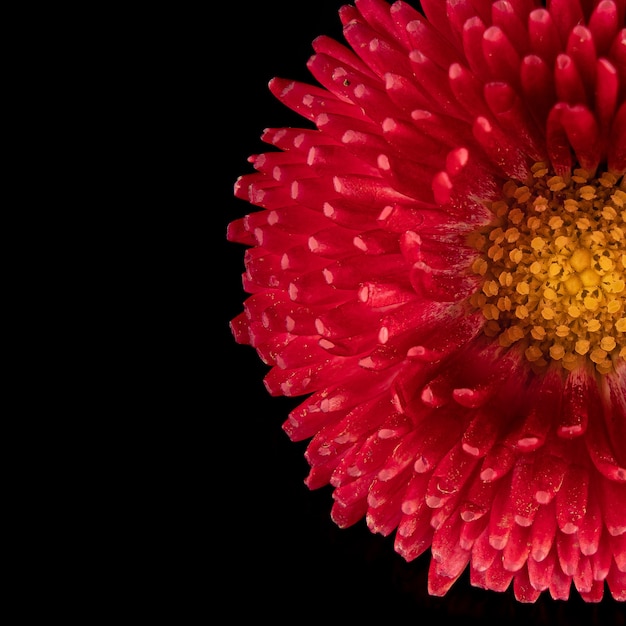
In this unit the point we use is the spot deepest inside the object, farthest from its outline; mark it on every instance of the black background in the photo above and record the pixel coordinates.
(282, 556)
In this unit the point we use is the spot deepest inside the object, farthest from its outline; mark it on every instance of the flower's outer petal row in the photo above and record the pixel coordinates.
(358, 268)
(571, 511)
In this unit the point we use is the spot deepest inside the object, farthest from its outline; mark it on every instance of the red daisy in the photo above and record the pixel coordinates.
(439, 265)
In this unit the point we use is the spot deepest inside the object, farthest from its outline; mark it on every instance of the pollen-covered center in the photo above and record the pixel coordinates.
(553, 268)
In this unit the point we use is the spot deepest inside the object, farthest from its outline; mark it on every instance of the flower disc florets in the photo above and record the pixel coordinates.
(553, 268)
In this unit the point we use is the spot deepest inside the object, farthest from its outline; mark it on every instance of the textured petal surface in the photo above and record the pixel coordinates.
(387, 285)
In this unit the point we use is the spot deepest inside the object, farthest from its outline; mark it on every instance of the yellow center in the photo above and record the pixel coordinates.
(553, 268)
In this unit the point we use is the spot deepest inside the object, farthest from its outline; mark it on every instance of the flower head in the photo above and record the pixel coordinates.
(438, 264)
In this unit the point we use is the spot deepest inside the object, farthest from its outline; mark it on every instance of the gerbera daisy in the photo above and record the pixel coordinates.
(438, 263)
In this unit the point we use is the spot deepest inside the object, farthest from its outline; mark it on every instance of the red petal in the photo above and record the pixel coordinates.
(613, 497)
(500, 148)
(473, 32)
(568, 550)
(538, 87)
(583, 134)
(606, 94)
(451, 558)
(566, 13)
(540, 572)
(571, 499)
(581, 48)
(544, 36)
(616, 581)
(433, 80)
(604, 24)
(617, 147)
(501, 55)
(517, 549)
(450, 476)
(543, 533)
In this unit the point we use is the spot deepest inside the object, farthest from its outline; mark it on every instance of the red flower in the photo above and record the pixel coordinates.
(439, 266)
